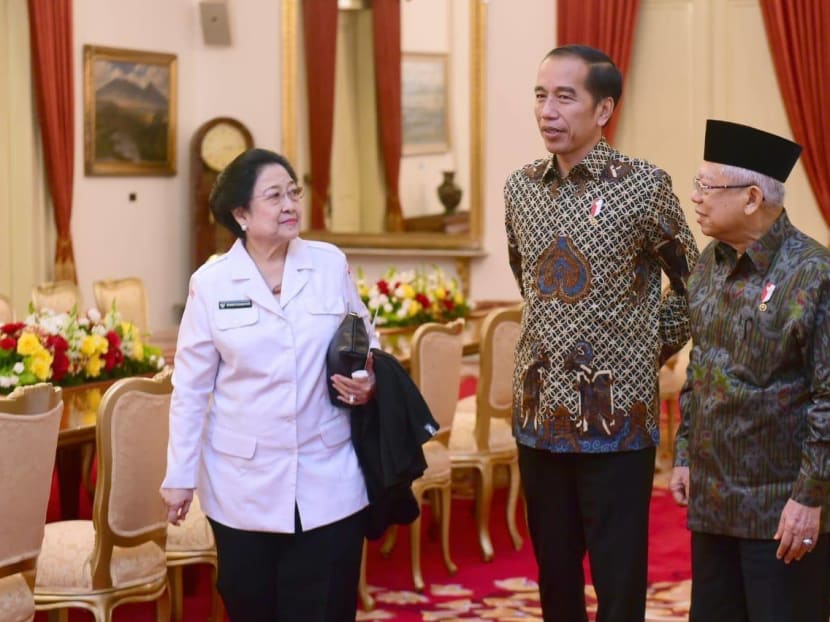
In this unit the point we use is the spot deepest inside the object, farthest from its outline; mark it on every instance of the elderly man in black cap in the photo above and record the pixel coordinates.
(752, 456)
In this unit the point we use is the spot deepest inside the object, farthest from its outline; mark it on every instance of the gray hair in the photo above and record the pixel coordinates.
(772, 189)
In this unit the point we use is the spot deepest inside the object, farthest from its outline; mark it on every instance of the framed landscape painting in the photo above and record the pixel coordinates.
(129, 112)
(425, 104)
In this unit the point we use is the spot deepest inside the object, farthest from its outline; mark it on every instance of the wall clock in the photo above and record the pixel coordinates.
(215, 143)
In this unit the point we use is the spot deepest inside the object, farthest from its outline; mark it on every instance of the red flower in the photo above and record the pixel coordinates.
(57, 343)
(11, 327)
(114, 340)
(383, 287)
(8, 343)
(422, 299)
(60, 365)
(448, 304)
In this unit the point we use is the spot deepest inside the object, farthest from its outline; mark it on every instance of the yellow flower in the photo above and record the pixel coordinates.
(28, 344)
(440, 293)
(414, 308)
(93, 366)
(407, 291)
(94, 344)
(458, 299)
(41, 366)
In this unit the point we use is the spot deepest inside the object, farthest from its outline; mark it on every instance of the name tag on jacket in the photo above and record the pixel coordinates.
(235, 304)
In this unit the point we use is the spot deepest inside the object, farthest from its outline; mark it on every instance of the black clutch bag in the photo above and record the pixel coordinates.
(347, 351)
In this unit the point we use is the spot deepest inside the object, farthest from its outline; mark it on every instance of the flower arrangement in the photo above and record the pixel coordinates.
(412, 297)
(68, 349)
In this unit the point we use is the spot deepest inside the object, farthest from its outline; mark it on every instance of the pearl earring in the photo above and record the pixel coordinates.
(244, 227)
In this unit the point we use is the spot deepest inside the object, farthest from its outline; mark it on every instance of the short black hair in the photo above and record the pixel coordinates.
(604, 78)
(235, 185)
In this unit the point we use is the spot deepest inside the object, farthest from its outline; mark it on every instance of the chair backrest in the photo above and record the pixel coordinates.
(59, 296)
(131, 439)
(129, 296)
(436, 367)
(29, 423)
(6, 310)
(494, 392)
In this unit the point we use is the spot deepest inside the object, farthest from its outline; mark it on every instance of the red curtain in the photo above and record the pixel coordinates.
(607, 26)
(798, 34)
(386, 26)
(50, 24)
(320, 30)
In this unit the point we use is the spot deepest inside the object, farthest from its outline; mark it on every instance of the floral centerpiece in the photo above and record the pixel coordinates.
(412, 297)
(68, 349)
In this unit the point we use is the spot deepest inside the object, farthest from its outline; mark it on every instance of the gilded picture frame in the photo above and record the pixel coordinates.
(129, 112)
(425, 103)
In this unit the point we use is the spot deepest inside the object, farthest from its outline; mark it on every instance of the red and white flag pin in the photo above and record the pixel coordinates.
(595, 209)
(766, 294)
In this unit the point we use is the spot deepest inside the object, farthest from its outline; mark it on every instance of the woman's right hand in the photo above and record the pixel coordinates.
(178, 502)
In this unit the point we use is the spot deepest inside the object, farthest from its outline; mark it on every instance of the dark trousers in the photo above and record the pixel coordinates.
(740, 580)
(276, 577)
(596, 503)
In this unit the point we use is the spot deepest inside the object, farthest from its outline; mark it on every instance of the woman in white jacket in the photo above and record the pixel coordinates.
(269, 454)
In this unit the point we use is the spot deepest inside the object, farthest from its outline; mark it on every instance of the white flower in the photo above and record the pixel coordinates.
(94, 314)
(18, 368)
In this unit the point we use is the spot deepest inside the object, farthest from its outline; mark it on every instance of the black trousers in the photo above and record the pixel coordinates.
(596, 503)
(277, 577)
(740, 580)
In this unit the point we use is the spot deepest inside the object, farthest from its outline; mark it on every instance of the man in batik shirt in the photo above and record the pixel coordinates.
(752, 457)
(589, 230)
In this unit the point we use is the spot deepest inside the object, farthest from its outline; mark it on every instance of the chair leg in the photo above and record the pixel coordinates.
(484, 500)
(87, 458)
(512, 503)
(389, 541)
(362, 589)
(58, 615)
(174, 581)
(446, 500)
(217, 606)
(415, 549)
(163, 605)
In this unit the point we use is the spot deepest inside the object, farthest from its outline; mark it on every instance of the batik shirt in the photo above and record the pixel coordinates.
(756, 404)
(587, 253)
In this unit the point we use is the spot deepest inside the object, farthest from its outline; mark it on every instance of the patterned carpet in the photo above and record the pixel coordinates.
(505, 589)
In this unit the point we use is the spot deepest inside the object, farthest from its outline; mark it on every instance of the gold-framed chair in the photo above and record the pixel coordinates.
(481, 438)
(129, 296)
(6, 310)
(192, 542)
(435, 366)
(29, 423)
(59, 296)
(118, 556)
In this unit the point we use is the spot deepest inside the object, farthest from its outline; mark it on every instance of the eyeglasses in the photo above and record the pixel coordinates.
(276, 195)
(699, 186)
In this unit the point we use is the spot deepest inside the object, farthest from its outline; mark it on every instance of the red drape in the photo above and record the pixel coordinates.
(798, 34)
(607, 26)
(50, 24)
(320, 30)
(386, 26)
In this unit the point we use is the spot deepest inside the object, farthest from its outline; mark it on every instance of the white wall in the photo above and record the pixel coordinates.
(150, 237)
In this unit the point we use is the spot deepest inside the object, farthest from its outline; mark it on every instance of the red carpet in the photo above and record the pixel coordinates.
(503, 589)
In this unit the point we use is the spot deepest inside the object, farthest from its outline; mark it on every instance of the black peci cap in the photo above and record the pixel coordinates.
(743, 146)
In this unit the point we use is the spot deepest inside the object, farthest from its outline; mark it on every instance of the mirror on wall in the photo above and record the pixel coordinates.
(442, 95)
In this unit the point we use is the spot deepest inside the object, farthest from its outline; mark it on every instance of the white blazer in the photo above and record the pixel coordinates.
(270, 437)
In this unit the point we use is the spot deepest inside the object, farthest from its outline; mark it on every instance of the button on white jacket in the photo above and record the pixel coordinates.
(270, 436)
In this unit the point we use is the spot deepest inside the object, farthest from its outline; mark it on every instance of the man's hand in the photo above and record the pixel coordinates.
(798, 523)
(178, 502)
(679, 485)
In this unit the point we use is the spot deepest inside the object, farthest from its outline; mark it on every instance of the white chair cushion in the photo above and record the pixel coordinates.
(462, 439)
(193, 533)
(64, 562)
(16, 601)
